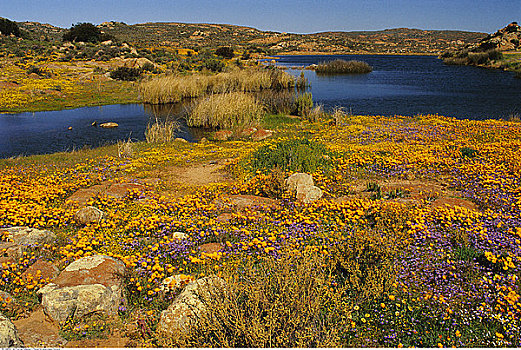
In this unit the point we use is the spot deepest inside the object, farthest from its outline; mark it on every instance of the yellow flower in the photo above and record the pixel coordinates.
(458, 334)
(392, 297)
(499, 335)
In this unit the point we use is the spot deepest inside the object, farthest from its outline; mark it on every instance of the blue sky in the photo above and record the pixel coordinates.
(305, 16)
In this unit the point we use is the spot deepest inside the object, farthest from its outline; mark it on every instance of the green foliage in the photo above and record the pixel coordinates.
(225, 52)
(303, 104)
(86, 32)
(343, 67)
(126, 73)
(298, 155)
(8, 27)
(467, 152)
(471, 58)
(213, 65)
(94, 325)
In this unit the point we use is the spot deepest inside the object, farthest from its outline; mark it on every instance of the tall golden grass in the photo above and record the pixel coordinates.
(226, 111)
(161, 131)
(174, 88)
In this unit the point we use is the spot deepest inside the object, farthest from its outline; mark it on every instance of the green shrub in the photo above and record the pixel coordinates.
(86, 32)
(303, 104)
(343, 67)
(298, 155)
(225, 52)
(8, 27)
(213, 65)
(126, 73)
(467, 152)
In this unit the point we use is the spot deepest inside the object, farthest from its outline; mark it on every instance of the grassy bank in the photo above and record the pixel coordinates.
(415, 242)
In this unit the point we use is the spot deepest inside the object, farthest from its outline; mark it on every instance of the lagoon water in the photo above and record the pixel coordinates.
(411, 85)
(404, 85)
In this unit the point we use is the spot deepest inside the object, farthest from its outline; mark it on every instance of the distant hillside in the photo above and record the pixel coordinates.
(197, 36)
(497, 50)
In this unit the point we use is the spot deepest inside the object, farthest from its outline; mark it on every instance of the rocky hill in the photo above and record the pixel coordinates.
(497, 50)
(505, 39)
(197, 36)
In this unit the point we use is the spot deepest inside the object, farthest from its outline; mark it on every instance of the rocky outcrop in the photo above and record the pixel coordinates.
(301, 186)
(25, 236)
(8, 334)
(93, 283)
(188, 305)
(88, 215)
(18, 238)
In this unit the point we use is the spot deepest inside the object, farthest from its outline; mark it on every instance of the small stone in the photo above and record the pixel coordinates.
(261, 134)
(223, 135)
(109, 125)
(179, 235)
(89, 215)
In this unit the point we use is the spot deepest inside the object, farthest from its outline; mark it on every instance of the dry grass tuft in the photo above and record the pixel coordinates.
(125, 149)
(226, 111)
(161, 131)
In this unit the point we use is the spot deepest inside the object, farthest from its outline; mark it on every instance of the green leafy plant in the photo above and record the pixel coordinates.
(299, 155)
(126, 73)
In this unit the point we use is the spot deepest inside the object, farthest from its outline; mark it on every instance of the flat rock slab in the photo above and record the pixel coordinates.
(42, 269)
(96, 269)
(454, 202)
(122, 190)
(37, 330)
(82, 196)
(244, 201)
(24, 236)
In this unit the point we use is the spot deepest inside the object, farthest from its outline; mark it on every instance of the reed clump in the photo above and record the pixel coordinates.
(161, 131)
(174, 88)
(343, 67)
(226, 111)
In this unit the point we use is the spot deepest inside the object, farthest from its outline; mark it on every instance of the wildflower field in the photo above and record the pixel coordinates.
(416, 241)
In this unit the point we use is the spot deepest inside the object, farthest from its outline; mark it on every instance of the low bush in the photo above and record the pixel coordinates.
(126, 73)
(343, 67)
(267, 303)
(225, 52)
(298, 155)
(226, 111)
